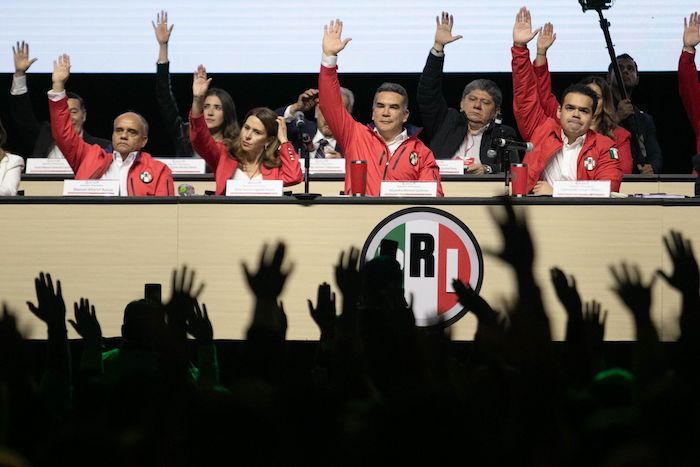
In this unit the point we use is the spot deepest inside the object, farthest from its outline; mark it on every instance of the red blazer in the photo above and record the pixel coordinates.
(595, 161)
(217, 156)
(412, 160)
(550, 104)
(147, 176)
(689, 89)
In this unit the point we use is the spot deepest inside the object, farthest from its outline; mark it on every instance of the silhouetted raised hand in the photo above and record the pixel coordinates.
(518, 250)
(50, 307)
(567, 293)
(347, 273)
(86, 324)
(270, 277)
(324, 314)
(184, 295)
(634, 293)
(473, 302)
(594, 321)
(685, 275)
(198, 324)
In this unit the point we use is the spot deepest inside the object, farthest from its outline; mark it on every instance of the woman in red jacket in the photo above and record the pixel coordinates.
(260, 151)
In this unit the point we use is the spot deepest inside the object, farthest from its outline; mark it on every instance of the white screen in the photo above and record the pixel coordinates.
(284, 36)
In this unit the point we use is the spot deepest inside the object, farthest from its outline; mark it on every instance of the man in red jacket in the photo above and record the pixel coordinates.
(138, 173)
(564, 148)
(393, 151)
(688, 84)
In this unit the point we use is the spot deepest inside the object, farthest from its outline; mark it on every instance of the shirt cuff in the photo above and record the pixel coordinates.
(56, 96)
(329, 61)
(437, 53)
(288, 115)
(19, 85)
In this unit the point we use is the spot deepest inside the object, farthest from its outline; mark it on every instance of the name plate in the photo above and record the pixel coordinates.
(254, 188)
(91, 188)
(43, 166)
(409, 189)
(450, 166)
(184, 165)
(581, 189)
(324, 166)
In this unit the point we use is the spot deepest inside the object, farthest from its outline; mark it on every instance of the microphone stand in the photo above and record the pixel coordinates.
(503, 156)
(605, 26)
(303, 151)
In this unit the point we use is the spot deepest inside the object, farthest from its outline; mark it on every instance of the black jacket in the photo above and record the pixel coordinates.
(447, 126)
(37, 135)
(177, 129)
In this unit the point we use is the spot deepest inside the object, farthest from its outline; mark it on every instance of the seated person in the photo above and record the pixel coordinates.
(324, 144)
(688, 85)
(260, 151)
(393, 153)
(35, 135)
(564, 148)
(646, 152)
(219, 108)
(10, 168)
(138, 173)
(465, 133)
(603, 117)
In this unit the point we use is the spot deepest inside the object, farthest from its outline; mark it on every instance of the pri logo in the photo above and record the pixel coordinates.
(434, 247)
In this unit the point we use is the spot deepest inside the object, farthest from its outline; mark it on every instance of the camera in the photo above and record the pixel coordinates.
(596, 4)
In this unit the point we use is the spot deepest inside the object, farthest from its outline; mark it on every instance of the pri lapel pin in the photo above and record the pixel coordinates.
(413, 158)
(589, 163)
(146, 177)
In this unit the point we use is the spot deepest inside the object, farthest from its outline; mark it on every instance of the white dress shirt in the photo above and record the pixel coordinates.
(562, 166)
(119, 170)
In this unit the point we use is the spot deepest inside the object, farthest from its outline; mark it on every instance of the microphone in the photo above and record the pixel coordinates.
(299, 120)
(509, 143)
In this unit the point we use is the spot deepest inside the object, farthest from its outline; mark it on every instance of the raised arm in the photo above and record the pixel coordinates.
(431, 101)
(201, 138)
(331, 104)
(20, 107)
(688, 85)
(548, 100)
(291, 168)
(526, 105)
(68, 141)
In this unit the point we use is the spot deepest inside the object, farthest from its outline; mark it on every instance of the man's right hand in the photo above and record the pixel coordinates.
(624, 109)
(545, 38)
(61, 72)
(522, 29)
(443, 31)
(22, 61)
(691, 32)
(305, 102)
(332, 42)
(160, 27)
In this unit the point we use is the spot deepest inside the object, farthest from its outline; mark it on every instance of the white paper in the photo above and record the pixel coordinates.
(184, 165)
(43, 166)
(254, 188)
(581, 189)
(91, 188)
(324, 166)
(450, 166)
(409, 189)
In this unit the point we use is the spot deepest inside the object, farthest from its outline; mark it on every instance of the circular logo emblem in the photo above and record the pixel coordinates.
(146, 177)
(434, 247)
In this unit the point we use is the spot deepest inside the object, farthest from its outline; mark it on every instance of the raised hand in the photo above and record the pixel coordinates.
(594, 321)
(306, 101)
(200, 82)
(517, 243)
(20, 53)
(685, 276)
(522, 29)
(270, 278)
(691, 32)
(332, 42)
(184, 295)
(471, 300)
(545, 38)
(61, 72)
(324, 313)
(50, 307)
(632, 291)
(86, 323)
(347, 273)
(443, 31)
(161, 29)
(624, 109)
(567, 293)
(282, 130)
(198, 324)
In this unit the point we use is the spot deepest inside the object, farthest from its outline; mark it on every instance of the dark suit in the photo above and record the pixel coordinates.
(37, 135)
(446, 126)
(178, 130)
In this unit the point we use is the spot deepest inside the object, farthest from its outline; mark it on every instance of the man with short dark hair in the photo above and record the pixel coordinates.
(392, 149)
(647, 153)
(466, 133)
(138, 173)
(35, 135)
(565, 148)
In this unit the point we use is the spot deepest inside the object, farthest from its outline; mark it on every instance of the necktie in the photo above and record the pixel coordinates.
(320, 153)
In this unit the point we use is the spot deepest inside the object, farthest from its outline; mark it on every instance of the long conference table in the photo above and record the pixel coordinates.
(107, 249)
